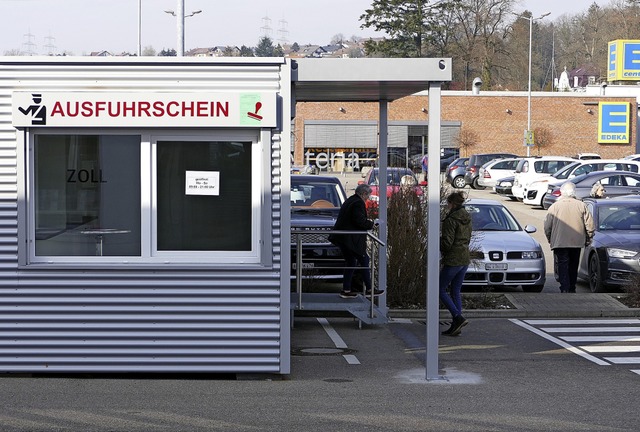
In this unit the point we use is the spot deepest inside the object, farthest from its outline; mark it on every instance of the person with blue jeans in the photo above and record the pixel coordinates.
(454, 248)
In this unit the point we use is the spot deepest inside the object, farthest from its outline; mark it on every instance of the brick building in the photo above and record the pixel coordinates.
(564, 124)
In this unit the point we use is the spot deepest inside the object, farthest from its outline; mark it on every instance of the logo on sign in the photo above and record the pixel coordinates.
(36, 111)
(614, 123)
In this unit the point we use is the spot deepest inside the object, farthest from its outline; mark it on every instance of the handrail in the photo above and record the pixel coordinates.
(298, 231)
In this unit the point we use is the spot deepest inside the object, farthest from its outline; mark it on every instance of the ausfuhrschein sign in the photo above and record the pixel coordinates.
(68, 109)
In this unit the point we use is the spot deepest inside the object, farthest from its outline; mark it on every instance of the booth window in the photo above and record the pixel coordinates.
(87, 195)
(167, 198)
(219, 220)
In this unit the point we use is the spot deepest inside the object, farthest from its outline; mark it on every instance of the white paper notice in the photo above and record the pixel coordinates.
(202, 183)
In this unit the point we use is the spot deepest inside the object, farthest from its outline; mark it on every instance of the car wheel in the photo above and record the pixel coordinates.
(542, 200)
(532, 288)
(595, 279)
(475, 185)
(512, 198)
(459, 182)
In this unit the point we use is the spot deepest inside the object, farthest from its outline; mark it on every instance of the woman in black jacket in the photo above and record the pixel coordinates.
(353, 217)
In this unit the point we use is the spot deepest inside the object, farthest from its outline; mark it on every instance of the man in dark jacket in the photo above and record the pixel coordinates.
(353, 217)
(454, 248)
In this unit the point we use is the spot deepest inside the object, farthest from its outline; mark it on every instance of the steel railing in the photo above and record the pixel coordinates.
(374, 245)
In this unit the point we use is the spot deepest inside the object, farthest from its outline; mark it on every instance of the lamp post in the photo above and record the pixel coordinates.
(528, 131)
(181, 16)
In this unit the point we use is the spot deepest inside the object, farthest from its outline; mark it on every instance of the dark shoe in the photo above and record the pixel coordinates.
(348, 294)
(448, 331)
(375, 292)
(457, 324)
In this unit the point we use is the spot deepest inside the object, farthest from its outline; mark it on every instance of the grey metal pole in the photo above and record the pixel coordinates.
(433, 234)
(529, 94)
(180, 18)
(382, 204)
(139, 28)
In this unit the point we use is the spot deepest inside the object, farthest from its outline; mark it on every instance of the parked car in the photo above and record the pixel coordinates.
(448, 155)
(616, 183)
(394, 183)
(535, 191)
(613, 256)
(454, 174)
(503, 187)
(476, 161)
(495, 170)
(315, 203)
(634, 157)
(503, 253)
(587, 156)
(530, 169)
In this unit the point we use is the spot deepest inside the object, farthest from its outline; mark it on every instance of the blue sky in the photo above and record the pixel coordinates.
(82, 26)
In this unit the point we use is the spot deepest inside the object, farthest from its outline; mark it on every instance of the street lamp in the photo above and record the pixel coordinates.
(181, 16)
(528, 131)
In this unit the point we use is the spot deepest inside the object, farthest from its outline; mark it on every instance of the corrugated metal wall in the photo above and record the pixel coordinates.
(157, 319)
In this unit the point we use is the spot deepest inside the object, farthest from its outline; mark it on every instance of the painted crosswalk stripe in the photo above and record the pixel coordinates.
(562, 343)
(599, 339)
(610, 348)
(581, 321)
(591, 329)
(623, 360)
(636, 371)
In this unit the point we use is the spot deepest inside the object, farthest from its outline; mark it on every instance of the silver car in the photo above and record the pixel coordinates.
(503, 253)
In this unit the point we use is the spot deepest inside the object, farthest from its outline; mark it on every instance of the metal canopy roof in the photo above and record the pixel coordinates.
(365, 80)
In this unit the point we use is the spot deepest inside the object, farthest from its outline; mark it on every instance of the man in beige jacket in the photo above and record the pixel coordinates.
(568, 227)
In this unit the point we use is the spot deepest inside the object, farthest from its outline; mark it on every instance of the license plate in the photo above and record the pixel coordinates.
(496, 266)
(304, 265)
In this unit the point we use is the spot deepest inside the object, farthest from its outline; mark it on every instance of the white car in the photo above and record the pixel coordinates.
(535, 191)
(495, 170)
(503, 253)
(530, 169)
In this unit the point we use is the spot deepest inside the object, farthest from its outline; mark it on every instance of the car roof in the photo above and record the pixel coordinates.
(483, 201)
(623, 199)
(304, 178)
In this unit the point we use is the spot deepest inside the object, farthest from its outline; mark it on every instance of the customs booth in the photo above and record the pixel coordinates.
(144, 206)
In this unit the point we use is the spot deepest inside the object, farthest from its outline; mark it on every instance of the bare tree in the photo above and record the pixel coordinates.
(543, 138)
(466, 139)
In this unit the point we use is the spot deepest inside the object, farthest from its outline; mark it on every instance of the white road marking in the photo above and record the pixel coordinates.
(337, 341)
(636, 371)
(351, 359)
(591, 329)
(581, 322)
(600, 339)
(557, 341)
(610, 348)
(333, 335)
(623, 360)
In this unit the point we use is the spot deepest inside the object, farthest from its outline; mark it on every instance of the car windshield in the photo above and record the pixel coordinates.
(619, 217)
(489, 217)
(315, 194)
(393, 176)
(566, 171)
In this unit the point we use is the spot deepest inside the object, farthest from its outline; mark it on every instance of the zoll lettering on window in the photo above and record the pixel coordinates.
(614, 123)
(62, 109)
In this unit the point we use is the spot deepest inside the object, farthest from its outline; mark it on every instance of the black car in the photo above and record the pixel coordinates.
(315, 203)
(476, 161)
(616, 183)
(614, 253)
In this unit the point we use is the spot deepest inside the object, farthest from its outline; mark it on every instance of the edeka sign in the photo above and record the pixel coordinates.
(79, 109)
(624, 60)
(614, 123)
